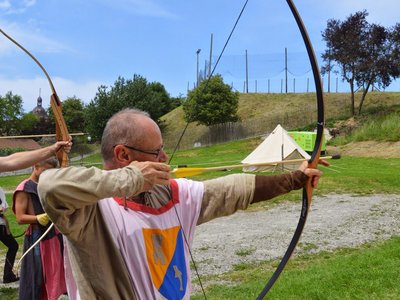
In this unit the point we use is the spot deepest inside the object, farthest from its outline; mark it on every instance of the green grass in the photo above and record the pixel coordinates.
(369, 272)
(245, 251)
(95, 158)
(361, 175)
(376, 124)
(380, 129)
(8, 294)
(9, 183)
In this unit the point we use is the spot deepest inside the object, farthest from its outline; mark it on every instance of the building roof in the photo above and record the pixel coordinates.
(39, 110)
(27, 144)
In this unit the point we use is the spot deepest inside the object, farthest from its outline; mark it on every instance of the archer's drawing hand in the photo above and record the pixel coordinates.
(315, 174)
(153, 173)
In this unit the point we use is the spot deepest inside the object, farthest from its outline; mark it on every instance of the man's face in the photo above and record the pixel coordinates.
(151, 148)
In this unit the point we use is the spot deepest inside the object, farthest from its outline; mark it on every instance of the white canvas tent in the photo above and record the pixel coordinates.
(277, 146)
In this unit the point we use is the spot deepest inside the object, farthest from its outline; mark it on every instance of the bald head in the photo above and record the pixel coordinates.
(127, 127)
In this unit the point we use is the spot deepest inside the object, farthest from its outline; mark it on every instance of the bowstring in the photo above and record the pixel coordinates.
(209, 77)
(183, 133)
(191, 254)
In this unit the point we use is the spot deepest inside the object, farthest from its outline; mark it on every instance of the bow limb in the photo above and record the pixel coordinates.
(312, 163)
(61, 127)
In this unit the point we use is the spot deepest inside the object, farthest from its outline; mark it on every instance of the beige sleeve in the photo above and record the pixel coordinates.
(225, 195)
(69, 195)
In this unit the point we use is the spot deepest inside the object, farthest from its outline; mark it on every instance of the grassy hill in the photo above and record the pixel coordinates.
(260, 113)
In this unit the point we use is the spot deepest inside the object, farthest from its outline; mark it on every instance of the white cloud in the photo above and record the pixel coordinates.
(28, 89)
(5, 4)
(27, 34)
(29, 3)
(18, 7)
(140, 7)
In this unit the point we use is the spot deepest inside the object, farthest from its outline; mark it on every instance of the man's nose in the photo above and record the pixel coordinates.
(163, 157)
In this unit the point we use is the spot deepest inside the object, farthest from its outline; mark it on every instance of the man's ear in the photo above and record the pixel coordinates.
(121, 155)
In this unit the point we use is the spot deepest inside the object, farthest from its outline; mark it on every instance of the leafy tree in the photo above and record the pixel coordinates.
(41, 126)
(28, 124)
(159, 95)
(213, 102)
(73, 110)
(81, 148)
(131, 93)
(177, 101)
(10, 112)
(366, 54)
(8, 151)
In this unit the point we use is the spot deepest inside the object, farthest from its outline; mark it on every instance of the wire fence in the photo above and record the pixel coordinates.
(276, 73)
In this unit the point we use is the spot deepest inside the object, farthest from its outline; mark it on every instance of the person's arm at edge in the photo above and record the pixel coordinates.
(26, 159)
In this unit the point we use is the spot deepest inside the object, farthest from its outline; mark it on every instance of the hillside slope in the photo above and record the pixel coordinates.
(260, 113)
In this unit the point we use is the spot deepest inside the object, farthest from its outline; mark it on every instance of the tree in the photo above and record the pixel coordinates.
(213, 102)
(380, 66)
(73, 110)
(32, 124)
(135, 93)
(177, 101)
(10, 113)
(29, 123)
(366, 54)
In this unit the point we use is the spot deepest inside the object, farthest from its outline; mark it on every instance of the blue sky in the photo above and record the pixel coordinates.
(85, 44)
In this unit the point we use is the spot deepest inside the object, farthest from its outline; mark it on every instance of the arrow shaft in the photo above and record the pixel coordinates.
(273, 163)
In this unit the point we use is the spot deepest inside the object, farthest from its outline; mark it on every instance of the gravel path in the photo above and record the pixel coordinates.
(335, 221)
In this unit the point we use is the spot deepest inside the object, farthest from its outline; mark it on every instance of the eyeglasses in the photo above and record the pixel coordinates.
(156, 152)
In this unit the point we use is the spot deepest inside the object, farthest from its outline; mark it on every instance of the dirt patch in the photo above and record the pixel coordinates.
(346, 125)
(368, 149)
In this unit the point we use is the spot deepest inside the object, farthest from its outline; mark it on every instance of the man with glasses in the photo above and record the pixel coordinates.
(129, 242)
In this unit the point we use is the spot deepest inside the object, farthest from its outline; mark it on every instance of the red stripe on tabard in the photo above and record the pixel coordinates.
(155, 211)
